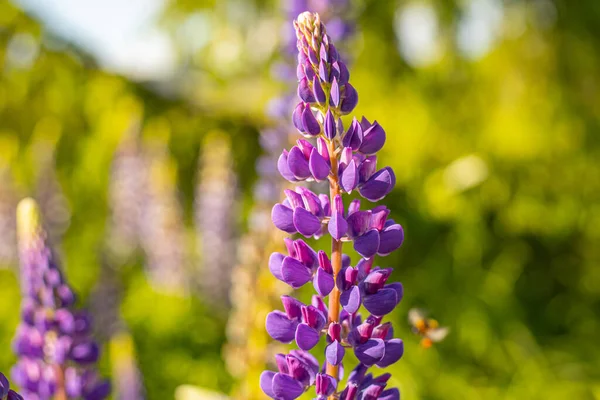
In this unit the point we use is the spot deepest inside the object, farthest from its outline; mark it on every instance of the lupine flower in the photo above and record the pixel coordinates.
(6, 393)
(246, 348)
(53, 342)
(54, 205)
(125, 194)
(127, 377)
(428, 328)
(8, 203)
(214, 211)
(347, 159)
(163, 235)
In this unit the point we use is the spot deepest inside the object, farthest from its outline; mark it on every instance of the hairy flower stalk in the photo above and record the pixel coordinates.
(347, 159)
(6, 393)
(215, 211)
(53, 341)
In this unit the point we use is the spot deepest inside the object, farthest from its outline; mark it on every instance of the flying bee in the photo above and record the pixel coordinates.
(429, 329)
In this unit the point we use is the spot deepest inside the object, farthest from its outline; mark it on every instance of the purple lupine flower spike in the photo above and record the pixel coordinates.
(348, 161)
(125, 199)
(53, 341)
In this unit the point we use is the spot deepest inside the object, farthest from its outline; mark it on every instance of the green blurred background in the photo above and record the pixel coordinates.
(492, 116)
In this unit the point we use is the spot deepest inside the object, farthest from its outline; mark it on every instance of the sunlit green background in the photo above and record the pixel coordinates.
(492, 116)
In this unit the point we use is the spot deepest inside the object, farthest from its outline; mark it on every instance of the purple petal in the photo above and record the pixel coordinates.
(373, 140)
(353, 137)
(305, 222)
(310, 123)
(350, 99)
(319, 168)
(367, 244)
(275, 261)
(323, 282)
(324, 200)
(329, 125)
(298, 369)
(358, 223)
(284, 170)
(283, 218)
(394, 349)
(325, 262)
(294, 198)
(318, 92)
(323, 71)
(313, 317)
(266, 383)
(306, 337)
(350, 299)
(322, 149)
(378, 217)
(292, 307)
(376, 279)
(382, 302)
(390, 239)
(286, 388)
(280, 327)
(294, 273)
(304, 91)
(370, 352)
(337, 226)
(390, 394)
(311, 202)
(334, 353)
(325, 385)
(378, 185)
(367, 169)
(397, 286)
(335, 93)
(305, 254)
(349, 178)
(297, 117)
(297, 163)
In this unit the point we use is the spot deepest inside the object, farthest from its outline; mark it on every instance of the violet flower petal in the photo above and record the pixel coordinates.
(394, 349)
(280, 327)
(382, 302)
(294, 273)
(351, 299)
(286, 388)
(306, 337)
(283, 218)
(367, 244)
(334, 353)
(370, 352)
(305, 222)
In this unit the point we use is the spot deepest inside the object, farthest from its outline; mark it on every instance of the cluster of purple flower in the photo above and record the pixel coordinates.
(53, 342)
(346, 158)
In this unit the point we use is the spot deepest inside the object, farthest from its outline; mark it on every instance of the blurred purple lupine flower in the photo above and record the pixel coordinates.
(125, 194)
(214, 214)
(6, 393)
(8, 203)
(53, 341)
(346, 158)
(162, 230)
